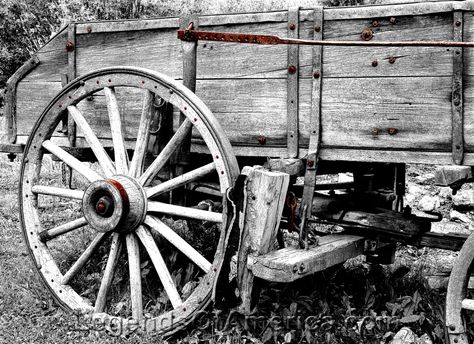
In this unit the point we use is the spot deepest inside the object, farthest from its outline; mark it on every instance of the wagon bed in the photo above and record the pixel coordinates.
(387, 104)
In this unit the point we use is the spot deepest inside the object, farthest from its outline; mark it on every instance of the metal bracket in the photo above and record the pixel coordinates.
(315, 118)
(457, 91)
(10, 96)
(292, 84)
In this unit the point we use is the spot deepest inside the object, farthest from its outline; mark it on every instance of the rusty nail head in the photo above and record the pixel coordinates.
(452, 327)
(292, 26)
(317, 28)
(316, 74)
(458, 23)
(291, 69)
(391, 60)
(375, 63)
(367, 34)
(310, 163)
(375, 23)
(262, 140)
(375, 131)
(393, 20)
(69, 46)
(392, 131)
(89, 29)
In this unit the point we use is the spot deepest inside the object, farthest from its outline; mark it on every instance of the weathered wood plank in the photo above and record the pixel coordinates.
(419, 108)
(291, 263)
(158, 50)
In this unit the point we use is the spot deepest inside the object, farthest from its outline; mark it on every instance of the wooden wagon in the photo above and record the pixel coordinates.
(170, 122)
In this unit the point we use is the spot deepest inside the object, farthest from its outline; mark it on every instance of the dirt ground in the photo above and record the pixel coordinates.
(355, 303)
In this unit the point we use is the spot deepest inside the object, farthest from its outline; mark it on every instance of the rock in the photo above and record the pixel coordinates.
(427, 178)
(464, 198)
(445, 192)
(445, 226)
(414, 189)
(404, 336)
(457, 216)
(428, 203)
(424, 339)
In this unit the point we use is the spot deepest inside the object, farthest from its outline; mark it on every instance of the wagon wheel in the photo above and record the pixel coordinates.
(113, 205)
(459, 308)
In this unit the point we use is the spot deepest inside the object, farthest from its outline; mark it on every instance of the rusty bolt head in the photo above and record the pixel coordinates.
(452, 327)
(375, 131)
(69, 46)
(458, 23)
(367, 34)
(316, 74)
(292, 26)
(291, 69)
(392, 131)
(262, 140)
(393, 20)
(375, 63)
(310, 163)
(391, 60)
(317, 28)
(89, 29)
(375, 23)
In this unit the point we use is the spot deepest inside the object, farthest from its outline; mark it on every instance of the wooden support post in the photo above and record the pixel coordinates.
(315, 119)
(292, 84)
(181, 158)
(457, 92)
(71, 75)
(266, 193)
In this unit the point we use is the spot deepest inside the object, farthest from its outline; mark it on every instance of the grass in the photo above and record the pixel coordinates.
(353, 303)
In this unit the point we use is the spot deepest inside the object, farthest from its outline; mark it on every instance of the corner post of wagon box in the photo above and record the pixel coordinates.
(457, 90)
(266, 194)
(315, 116)
(189, 50)
(292, 84)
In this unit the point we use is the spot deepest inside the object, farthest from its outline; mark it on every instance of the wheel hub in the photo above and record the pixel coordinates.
(114, 204)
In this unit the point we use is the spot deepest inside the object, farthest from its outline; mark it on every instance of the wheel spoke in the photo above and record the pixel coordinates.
(82, 260)
(62, 229)
(178, 242)
(135, 276)
(468, 304)
(181, 180)
(177, 210)
(136, 167)
(160, 266)
(59, 192)
(99, 151)
(71, 161)
(120, 153)
(166, 153)
(115, 249)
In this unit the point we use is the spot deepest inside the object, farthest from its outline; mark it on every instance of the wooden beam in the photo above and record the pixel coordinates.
(292, 100)
(457, 91)
(266, 194)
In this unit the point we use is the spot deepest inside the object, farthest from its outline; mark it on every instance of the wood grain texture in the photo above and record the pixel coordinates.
(291, 263)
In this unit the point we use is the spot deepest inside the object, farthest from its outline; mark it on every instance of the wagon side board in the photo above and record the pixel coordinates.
(386, 104)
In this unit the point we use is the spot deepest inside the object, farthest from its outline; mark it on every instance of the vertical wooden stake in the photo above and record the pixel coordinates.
(181, 158)
(266, 193)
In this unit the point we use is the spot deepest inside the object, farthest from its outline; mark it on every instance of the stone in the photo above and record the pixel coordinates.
(457, 216)
(464, 198)
(445, 226)
(404, 336)
(427, 178)
(445, 192)
(428, 203)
